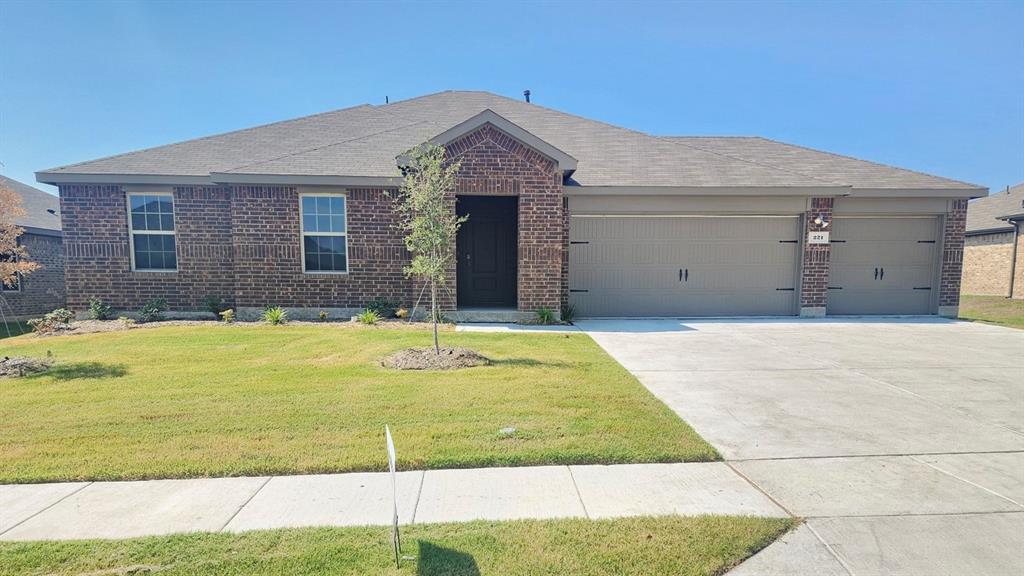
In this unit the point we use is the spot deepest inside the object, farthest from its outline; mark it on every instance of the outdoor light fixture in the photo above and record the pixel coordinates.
(821, 221)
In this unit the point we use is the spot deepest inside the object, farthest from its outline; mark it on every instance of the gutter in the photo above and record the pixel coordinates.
(1013, 255)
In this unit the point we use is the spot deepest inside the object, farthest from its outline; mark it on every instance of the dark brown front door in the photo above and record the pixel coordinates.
(486, 251)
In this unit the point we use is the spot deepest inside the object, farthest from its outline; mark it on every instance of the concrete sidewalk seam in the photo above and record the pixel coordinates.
(419, 494)
(831, 550)
(38, 512)
(759, 489)
(246, 503)
(975, 484)
(914, 514)
(583, 504)
(888, 455)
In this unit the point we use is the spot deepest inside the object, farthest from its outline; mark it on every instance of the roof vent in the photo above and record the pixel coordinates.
(526, 94)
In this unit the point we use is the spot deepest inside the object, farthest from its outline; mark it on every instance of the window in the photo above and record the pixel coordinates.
(324, 244)
(151, 232)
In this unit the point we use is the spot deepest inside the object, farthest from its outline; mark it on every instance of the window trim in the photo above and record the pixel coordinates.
(131, 232)
(303, 233)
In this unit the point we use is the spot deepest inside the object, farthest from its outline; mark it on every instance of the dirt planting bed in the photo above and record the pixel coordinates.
(427, 359)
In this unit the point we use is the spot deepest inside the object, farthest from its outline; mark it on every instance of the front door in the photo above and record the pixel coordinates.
(486, 251)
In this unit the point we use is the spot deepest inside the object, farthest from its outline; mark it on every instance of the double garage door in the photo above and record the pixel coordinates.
(636, 266)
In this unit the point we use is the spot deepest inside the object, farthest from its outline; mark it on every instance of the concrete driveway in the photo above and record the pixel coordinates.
(901, 440)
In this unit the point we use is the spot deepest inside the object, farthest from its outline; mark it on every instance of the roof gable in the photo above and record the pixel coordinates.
(987, 215)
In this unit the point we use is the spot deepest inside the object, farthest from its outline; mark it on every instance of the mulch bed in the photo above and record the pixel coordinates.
(426, 359)
(22, 366)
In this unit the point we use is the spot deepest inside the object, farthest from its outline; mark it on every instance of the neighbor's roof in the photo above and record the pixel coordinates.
(36, 204)
(983, 214)
(364, 141)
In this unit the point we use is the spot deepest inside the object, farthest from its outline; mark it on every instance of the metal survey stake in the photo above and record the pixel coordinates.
(396, 539)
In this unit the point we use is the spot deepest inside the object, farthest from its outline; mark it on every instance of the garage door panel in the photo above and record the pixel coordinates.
(699, 266)
(883, 265)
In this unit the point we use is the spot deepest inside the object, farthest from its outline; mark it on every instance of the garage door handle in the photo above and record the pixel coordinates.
(876, 273)
(686, 275)
(882, 277)
(680, 274)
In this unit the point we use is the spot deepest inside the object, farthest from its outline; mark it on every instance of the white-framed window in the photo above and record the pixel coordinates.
(323, 228)
(151, 232)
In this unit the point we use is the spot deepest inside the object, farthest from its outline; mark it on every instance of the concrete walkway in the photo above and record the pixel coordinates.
(900, 439)
(68, 511)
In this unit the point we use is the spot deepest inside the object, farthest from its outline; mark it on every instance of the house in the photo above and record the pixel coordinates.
(994, 246)
(563, 210)
(42, 290)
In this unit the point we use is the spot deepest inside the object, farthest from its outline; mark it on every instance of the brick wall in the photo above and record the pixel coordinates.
(42, 290)
(986, 268)
(952, 254)
(495, 164)
(814, 272)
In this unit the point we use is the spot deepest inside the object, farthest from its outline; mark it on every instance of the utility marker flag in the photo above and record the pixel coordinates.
(396, 539)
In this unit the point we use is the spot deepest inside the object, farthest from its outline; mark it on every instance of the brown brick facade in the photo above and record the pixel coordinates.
(952, 260)
(42, 290)
(814, 271)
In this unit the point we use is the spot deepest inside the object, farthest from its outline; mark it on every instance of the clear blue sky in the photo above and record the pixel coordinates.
(936, 87)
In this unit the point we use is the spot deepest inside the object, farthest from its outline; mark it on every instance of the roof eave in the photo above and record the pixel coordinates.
(306, 179)
(820, 191)
(58, 178)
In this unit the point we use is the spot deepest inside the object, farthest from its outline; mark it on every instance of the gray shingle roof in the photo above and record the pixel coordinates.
(983, 214)
(365, 140)
(36, 204)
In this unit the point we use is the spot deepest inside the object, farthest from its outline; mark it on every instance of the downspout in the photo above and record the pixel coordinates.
(1013, 255)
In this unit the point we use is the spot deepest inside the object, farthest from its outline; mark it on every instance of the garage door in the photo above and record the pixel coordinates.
(883, 265)
(683, 266)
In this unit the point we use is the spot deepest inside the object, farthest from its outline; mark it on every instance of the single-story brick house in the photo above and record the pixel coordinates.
(994, 246)
(43, 290)
(563, 210)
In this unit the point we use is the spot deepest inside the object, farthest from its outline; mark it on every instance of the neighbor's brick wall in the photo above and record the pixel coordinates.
(42, 290)
(952, 253)
(268, 253)
(495, 164)
(814, 272)
(987, 264)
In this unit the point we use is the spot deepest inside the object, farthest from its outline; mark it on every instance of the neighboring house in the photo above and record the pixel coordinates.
(42, 290)
(562, 210)
(994, 251)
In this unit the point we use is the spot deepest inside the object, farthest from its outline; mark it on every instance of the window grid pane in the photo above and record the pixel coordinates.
(152, 213)
(325, 253)
(155, 252)
(323, 214)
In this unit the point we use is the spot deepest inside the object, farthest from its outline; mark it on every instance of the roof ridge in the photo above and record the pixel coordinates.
(776, 168)
(207, 137)
(919, 173)
(315, 148)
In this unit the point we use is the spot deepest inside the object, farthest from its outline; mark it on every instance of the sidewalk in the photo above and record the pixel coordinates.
(78, 510)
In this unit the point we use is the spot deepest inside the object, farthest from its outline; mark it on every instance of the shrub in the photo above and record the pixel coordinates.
(384, 307)
(323, 315)
(545, 316)
(59, 319)
(215, 305)
(402, 313)
(368, 317)
(568, 313)
(228, 316)
(126, 322)
(275, 315)
(98, 309)
(153, 310)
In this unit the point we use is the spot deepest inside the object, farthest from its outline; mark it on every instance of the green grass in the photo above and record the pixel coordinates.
(993, 309)
(634, 546)
(13, 328)
(187, 401)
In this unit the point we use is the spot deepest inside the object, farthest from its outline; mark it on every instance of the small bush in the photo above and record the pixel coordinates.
(402, 313)
(323, 315)
(275, 315)
(545, 316)
(384, 307)
(153, 310)
(228, 316)
(59, 319)
(98, 309)
(568, 313)
(126, 322)
(368, 317)
(215, 305)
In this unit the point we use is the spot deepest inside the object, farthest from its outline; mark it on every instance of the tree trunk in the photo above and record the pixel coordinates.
(433, 314)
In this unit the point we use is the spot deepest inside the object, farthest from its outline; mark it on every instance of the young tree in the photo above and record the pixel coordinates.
(14, 259)
(428, 220)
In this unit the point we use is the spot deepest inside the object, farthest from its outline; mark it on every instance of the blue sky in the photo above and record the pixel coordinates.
(936, 87)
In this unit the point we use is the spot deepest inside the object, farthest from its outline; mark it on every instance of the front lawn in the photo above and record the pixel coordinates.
(993, 309)
(705, 545)
(13, 328)
(189, 401)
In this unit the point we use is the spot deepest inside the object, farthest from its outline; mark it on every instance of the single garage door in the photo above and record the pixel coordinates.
(683, 265)
(883, 265)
